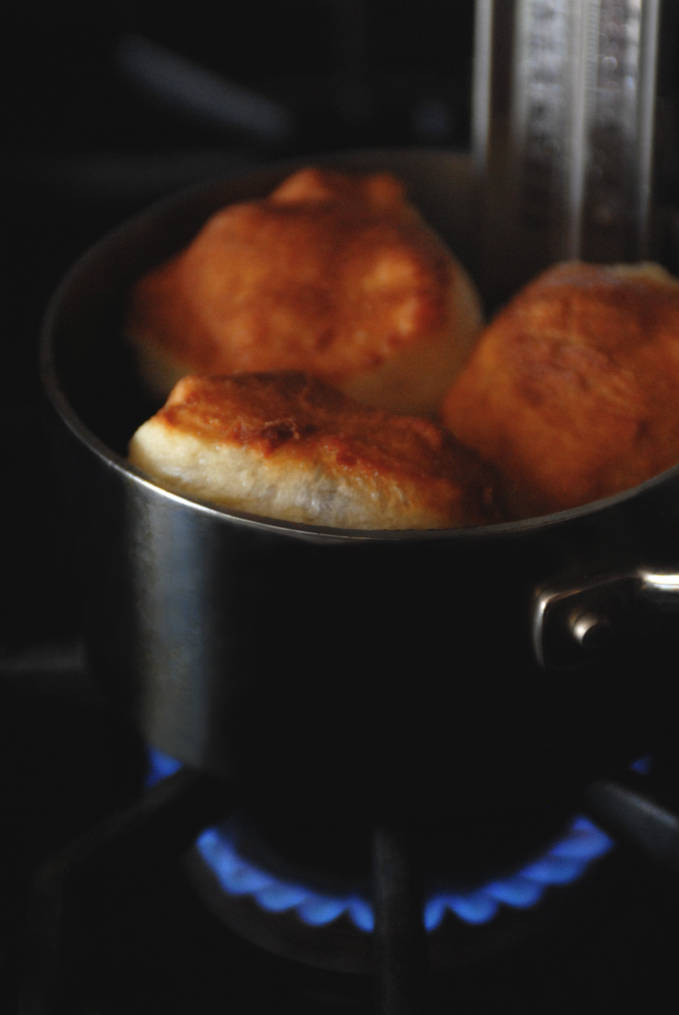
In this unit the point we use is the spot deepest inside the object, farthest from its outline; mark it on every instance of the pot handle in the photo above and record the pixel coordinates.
(572, 623)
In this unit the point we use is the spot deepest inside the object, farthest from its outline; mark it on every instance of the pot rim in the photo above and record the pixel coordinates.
(59, 400)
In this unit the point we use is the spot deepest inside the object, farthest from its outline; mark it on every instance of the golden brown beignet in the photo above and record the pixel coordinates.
(288, 446)
(572, 391)
(334, 274)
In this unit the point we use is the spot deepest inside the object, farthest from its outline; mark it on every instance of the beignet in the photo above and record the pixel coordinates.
(333, 274)
(572, 391)
(288, 446)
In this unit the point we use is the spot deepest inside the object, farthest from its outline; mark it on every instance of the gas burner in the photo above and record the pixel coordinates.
(118, 907)
(563, 863)
(258, 895)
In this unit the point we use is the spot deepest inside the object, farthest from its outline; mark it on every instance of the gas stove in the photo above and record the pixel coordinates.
(129, 884)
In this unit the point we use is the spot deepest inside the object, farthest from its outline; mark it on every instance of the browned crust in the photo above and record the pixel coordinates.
(332, 273)
(573, 390)
(295, 421)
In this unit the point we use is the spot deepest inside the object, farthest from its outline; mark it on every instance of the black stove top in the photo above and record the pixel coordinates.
(124, 926)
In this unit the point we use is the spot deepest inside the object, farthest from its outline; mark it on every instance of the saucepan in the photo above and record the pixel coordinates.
(434, 674)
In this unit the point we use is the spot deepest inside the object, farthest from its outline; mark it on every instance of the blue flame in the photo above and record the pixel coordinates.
(642, 766)
(564, 862)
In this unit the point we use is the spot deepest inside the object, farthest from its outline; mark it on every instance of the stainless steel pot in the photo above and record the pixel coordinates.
(428, 673)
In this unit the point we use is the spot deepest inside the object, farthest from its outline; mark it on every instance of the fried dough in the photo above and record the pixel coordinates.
(572, 391)
(287, 446)
(333, 274)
